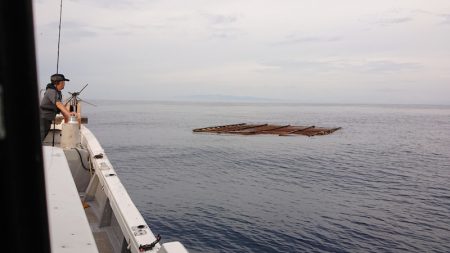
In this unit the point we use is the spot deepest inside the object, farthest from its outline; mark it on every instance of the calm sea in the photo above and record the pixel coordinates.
(380, 184)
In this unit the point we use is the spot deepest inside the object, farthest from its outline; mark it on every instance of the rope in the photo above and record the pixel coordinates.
(81, 160)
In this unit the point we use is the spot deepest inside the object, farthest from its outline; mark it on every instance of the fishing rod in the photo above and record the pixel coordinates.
(74, 99)
(57, 69)
(59, 37)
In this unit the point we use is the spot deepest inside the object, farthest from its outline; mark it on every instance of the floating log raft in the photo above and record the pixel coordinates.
(281, 130)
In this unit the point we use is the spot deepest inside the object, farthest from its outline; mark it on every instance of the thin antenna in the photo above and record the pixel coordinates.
(59, 37)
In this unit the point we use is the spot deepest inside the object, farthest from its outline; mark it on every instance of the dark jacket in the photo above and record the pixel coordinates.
(48, 107)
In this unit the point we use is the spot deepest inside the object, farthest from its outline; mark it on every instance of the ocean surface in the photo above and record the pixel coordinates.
(380, 184)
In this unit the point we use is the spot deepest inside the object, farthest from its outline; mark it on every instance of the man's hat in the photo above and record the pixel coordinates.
(57, 78)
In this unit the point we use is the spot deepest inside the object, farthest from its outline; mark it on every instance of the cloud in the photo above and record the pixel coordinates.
(388, 66)
(225, 33)
(218, 19)
(388, 21)
(71, 30)
(391, 17)
(327, 65)
(74, 31)
(116, 4)
(222, 26)
(446, 18)
(295, 39)
(389, 90)
(323, 65)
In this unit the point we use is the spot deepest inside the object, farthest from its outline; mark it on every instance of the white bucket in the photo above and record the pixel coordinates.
(70, 134)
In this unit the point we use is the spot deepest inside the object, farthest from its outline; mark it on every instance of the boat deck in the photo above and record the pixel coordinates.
(281, 130)
(68, 225)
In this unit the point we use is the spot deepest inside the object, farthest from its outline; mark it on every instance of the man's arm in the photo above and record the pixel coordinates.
(64, 110)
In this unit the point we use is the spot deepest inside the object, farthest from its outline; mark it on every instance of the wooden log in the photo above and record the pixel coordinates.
(212, 128)
(268, 130)
(297, 131)
(239, 131)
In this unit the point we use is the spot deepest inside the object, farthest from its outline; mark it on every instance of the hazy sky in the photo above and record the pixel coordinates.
(325, 51)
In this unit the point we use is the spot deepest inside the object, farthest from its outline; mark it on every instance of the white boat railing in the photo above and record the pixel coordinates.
(135, 230)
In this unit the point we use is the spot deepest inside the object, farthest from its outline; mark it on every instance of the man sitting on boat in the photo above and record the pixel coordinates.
(51, 103)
